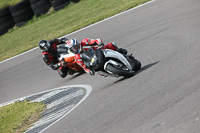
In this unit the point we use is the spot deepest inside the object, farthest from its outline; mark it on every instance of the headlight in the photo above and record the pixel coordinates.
(93, 61)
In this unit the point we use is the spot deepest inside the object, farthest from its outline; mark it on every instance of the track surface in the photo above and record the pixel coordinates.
(162, 98)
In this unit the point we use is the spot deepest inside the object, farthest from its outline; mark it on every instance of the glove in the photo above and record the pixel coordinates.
(91, 73)
(101, 45)
(54, 67)
(63, 63)
(63, 40)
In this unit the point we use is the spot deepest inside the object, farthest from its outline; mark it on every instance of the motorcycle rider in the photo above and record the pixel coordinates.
(78, 48)
(50, 57)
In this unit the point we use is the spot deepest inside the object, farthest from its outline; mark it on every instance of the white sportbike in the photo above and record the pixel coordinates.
(108, 62)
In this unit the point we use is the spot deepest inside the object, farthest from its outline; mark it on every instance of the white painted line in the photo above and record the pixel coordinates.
(19, 55)
(110, 18)
(84, 28)
(89, 90)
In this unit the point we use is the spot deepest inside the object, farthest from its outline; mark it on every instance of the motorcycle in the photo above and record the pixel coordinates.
(108, 62)
(67, 58)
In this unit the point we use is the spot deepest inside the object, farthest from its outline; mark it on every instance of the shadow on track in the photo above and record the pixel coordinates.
(146, 67)
(136, 73)
(123, 78)
(77, 75)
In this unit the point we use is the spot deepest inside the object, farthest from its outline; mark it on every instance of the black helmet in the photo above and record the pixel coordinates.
(44, 45)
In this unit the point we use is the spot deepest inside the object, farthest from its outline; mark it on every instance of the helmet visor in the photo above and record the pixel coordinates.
(44, 45)
(75, 49)
(47, 46)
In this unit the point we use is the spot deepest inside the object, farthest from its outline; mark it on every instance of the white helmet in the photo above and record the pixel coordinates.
(74, 46)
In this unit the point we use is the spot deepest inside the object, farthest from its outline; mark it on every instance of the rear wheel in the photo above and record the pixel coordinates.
(118, 71)
(136, 65)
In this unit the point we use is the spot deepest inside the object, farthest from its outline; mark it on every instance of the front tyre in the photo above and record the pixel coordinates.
(136, 65)
(118, 71)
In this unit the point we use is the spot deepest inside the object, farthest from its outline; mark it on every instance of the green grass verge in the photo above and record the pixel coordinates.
(60, 23)
(6, 3)
(18, 116)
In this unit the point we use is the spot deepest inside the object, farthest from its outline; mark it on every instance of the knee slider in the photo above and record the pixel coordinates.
(62, 73)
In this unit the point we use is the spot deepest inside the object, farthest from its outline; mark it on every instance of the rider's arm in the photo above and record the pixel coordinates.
(95, 43)
(63, 40)
(58, 41)
(49, 62)
(99, 43)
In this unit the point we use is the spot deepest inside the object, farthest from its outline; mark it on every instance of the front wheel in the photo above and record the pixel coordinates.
(136, 65)
(118, 71)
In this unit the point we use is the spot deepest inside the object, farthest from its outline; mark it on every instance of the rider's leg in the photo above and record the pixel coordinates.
(113, 46)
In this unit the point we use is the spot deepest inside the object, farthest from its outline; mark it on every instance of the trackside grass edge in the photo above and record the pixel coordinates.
(17, 117)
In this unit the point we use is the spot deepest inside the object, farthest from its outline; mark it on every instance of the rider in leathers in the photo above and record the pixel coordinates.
(50, 56)
(78, 48)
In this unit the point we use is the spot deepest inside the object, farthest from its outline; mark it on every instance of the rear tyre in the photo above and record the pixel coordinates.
(136, 65)
(118, 71)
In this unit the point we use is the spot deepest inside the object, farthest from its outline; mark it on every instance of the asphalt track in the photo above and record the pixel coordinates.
(162, 98)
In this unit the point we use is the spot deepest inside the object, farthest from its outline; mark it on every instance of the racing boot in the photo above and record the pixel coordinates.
(70, 72)
(120, 50)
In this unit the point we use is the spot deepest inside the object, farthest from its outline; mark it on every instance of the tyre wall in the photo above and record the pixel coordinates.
(75, 1)
(40, 7)
(24, 11)
(21, 13)
(6, 20)
(59, 4)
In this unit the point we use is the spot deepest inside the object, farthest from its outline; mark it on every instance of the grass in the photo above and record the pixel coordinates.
(6, 3)
(17, 117)
(60, 23)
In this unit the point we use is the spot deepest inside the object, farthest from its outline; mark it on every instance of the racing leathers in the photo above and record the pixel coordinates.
(94, 43)
(50, 57)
